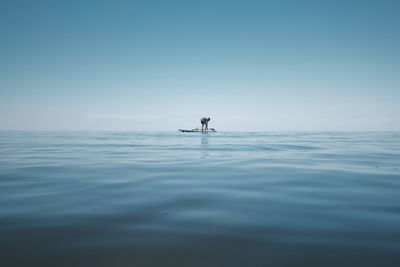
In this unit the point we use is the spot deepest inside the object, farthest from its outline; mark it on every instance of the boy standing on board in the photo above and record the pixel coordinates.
(204, 122)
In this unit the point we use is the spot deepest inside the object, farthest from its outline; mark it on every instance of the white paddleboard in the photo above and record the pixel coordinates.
(197, 130)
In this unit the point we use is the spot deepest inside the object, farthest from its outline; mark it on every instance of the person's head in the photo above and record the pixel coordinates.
(208, 119)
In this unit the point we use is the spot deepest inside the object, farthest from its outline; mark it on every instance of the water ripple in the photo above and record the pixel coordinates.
(218, 199)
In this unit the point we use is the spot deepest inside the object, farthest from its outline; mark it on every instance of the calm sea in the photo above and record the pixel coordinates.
(192, 199)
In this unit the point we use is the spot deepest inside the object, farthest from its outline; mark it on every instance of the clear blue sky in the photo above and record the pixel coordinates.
(161, 65)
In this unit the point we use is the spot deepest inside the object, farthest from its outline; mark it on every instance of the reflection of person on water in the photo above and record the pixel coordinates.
(204, 123)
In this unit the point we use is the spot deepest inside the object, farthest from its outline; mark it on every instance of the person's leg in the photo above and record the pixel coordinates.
(206, 126)
(202, 126)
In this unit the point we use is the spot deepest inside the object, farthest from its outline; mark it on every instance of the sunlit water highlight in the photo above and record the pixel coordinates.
(192, 199)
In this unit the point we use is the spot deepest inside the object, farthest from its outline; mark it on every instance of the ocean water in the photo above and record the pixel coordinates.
(193, 199)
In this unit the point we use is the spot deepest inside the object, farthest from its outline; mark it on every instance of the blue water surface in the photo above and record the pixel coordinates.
(198, 199)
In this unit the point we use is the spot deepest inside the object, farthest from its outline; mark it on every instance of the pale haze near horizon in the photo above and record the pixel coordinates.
(162, 65)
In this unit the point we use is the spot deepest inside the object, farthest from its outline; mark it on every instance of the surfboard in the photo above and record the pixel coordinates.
(197, 130)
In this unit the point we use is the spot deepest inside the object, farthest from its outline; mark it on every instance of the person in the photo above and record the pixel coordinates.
(204, 123)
